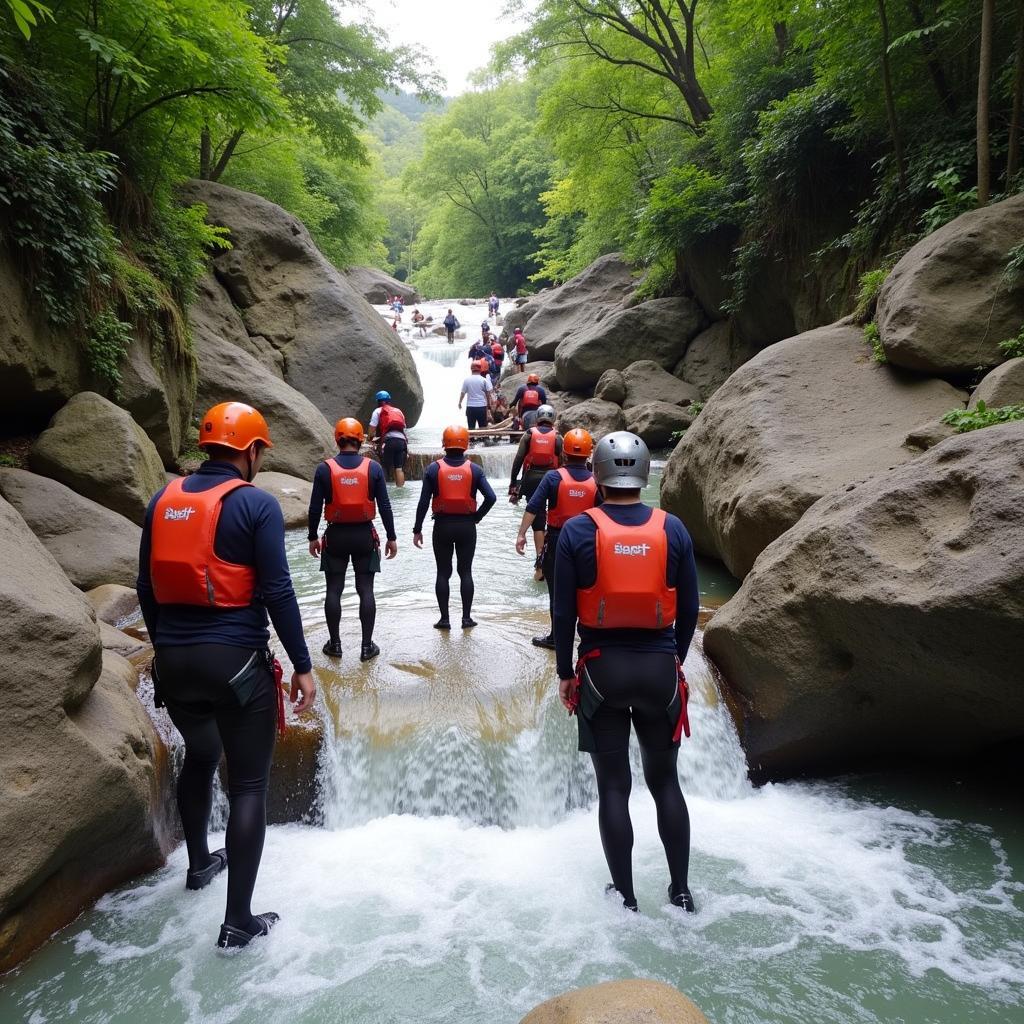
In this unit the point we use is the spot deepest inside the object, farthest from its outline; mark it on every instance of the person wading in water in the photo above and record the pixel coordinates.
(212, 566)
(348, 490)
(625, 573)
(540, 450)
(450, 488)
(387, 429)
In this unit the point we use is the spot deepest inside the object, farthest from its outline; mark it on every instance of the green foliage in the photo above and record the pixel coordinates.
(9, 461)
(870, 285)
(1013, 348)
(1015, 263)
(109, 338)
(953, 200)
(981, 416)
(695, 408)
(27, 13)
(874, 339)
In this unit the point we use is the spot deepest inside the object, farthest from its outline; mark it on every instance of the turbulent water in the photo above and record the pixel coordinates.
(458, 874)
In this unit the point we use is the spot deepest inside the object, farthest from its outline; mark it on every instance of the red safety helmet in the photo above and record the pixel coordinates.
(455, 437)
(234, 425)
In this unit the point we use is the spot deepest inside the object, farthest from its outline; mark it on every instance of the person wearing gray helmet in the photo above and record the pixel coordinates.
(540, 449)
(626, 577)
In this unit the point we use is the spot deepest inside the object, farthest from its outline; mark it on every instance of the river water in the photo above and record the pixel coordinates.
(455, 873)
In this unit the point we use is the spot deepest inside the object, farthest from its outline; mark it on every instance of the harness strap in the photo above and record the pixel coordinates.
(574, 697)
(683, 723)
(282, 725)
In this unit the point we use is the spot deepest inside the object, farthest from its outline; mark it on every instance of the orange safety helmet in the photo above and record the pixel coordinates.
(455, 437)
(349, 429)
(234, 425)
(578, 442)
(533, 378)
(482, 365)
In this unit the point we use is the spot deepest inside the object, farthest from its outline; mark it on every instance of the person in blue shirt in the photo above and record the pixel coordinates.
(348, 491)
(212, 567)
(450, 488)
(635, 607)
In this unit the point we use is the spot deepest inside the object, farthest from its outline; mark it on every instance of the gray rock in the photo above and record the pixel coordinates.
(121, 643)
(546, 371)
(378, 287)
(611, 387)
(113, 603)
(887, 622)
(337, 349)
(657, 422)
(1002, 386)
(647, 382)
(713, 356)
(212, 313)
(658, 329)
(948, 303)
(292, 494)
(98, 450)
(594, 415)
(629, 1001)
(928, 435)
(805, 417)
(92, 544)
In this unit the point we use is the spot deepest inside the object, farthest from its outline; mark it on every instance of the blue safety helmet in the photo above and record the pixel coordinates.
(383, 396)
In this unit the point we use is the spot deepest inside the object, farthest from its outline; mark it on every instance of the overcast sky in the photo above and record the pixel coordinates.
(458, 34)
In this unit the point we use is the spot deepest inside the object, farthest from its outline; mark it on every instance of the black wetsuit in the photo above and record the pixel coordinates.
(533, 476)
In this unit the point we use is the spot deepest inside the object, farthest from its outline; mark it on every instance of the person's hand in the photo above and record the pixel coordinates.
(391, 549)
(565, 688)
(417, 540)
(315, 547)
(304, 683)
(521, 544)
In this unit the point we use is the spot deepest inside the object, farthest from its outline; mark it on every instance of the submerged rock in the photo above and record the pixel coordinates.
(805, 417)
(1003, 386)
(889, 621)
(633, 1001)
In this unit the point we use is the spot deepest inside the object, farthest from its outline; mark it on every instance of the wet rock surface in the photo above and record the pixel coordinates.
(634, 1001)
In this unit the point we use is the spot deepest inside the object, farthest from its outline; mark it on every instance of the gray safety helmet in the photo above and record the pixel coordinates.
(621, 460)
(546, 414)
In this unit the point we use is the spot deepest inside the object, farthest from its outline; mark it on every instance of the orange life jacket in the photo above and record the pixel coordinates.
(454, 489)
(542, 452)
(530, 399)
(351, 497)
(183, 566)
(391, 418)
(498, 352)
(630, 591)
(574, 497)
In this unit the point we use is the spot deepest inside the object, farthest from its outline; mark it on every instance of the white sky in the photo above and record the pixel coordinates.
(458, 34)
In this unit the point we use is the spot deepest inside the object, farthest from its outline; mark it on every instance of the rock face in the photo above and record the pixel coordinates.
(634, 1001)
(291, 492)
(645, 381)
(658, 329)
(805, 417)
(92, 544)
(98, 450)
(656, 422)
(575, 307)
(1003, 386)
(947, 304)
(113, 603)
(594, 415)
(302, 436)
(378, 287)
(211, 314)
(713, 356)
(79, 758)
(887, 622)
(337, 350)
(611, 387)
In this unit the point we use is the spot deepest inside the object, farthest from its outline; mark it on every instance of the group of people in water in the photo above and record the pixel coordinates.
(620, 576)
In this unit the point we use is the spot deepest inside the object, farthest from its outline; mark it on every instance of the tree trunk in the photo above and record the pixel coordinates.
(933, 60)
(225, 157)
(890, 100)
(1013, 147)
(205, 153)
(781, 41)
(984, 80)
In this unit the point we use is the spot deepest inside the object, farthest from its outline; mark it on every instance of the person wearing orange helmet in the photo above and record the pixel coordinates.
(529, 397)
(348, 491)
(540, 450)
(450, 488)
(477, 392)
(561, 494)
(212, 566)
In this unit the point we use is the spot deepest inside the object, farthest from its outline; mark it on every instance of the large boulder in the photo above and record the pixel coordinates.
(657, 422)
(805, 417)
(98, 450)
(575, 307)
(594, 415)
(92, 544)
(337, 349)
(378, 287)
(1002, 386)
(645, 381)
(292, 494)
(633, 1001)
(889, 621)
(948, 303)
(79, 759)
(212, 313)
(302, 436)
(611, 386)
(713, 357)
(658, 329)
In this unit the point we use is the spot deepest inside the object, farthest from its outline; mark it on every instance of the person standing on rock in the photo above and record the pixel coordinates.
(212, 566)
(450, 489)
(348, 491)
(625, 574)
(476, 390)
(519, 344)
(451, 325)
(540, 450)
(562, 494)
(387, 429)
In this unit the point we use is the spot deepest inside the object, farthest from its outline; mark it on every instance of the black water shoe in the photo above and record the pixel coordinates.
(370, 650)
(202, 878)
(610, 888)
(333, 648)
(234, 938)
(467, 622)
(682, 899)
(442, 624)
(544, 641)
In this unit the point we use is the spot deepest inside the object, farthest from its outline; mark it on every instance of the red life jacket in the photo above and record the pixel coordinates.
(454, 489)
(630, 591)
(183, 566)
(351, 497)
(391, 418)
(530, 399)
(542, 452)
(574, 497)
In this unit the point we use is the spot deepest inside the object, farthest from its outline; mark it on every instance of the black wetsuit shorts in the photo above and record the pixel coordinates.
(349, 541)
(393, 452)
(531, 481)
